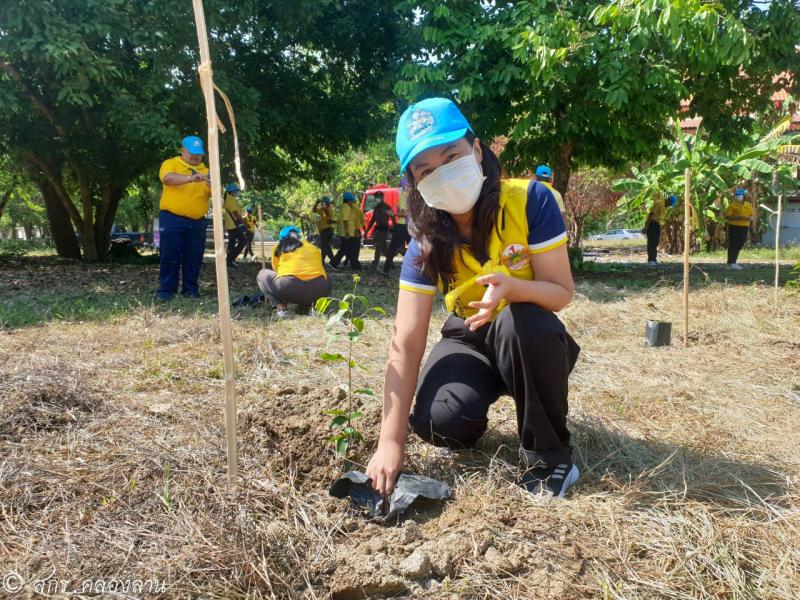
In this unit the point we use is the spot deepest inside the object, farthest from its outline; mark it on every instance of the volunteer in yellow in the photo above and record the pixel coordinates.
(400, 236)
(325, 222)
(497, 252)
(654, 223)
(297, 275)
(738, 216)
(251, 223)
(182, 219)
(545, 175)
(234, 223)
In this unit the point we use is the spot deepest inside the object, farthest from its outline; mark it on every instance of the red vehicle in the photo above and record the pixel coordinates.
(391, 195)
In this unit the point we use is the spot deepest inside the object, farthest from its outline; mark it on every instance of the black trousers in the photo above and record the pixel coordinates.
(653, 235)
(737, 236)
(325, 237)
(525, 353)
(354, 248)
(248, 249)
(400, 237)
(344, 248)
(236, 243)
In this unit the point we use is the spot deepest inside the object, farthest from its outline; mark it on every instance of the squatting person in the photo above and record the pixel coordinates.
(497, 251)
(297, 275)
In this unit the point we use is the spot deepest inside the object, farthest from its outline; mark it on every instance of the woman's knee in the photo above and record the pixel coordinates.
(445, 422)
(529, 323)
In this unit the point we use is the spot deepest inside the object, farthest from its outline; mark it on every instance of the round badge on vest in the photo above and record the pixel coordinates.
(516, 257)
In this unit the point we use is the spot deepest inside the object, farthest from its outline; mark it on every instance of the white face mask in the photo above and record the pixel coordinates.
(454, 187)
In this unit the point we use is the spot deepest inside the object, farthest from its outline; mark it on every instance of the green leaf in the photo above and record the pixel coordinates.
(321, 306)
(358, 323)
(353, 335)
(338, 421)
(364, 392)
(341, 446)
(354, 415)
(333, 357)
(334, 412)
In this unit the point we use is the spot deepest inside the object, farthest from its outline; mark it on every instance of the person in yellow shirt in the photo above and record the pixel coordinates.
(496, 249)
(545, 175)
(400, 235)
(234, 223)
(347, 219)
(325, 223)
(297, 275)
(738, 216)
(251, 222)
(181, 219)
(359, 224)
(653, 224)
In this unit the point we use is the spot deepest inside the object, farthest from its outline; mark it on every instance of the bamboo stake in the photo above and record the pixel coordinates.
(778, 248)
(687, 238)
(261, 239)
(219, 243)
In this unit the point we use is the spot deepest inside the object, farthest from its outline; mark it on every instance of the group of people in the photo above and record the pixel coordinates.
(738, 215)
(350, 224)
(495, 249)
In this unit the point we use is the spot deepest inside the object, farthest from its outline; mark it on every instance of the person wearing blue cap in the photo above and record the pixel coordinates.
(251, 223)
(181, 220)
(496, 250)
(351, 219)
(738, 216)
(545, 175)
(235, 224)
(297, 275)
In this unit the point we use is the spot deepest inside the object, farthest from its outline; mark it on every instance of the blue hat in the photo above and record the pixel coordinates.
(544, 171)
(348, 197)
(431, 122)
(193, 144)
(672, 199)
(326, 199)
(232, 188)
(740, 192)
(287, 231)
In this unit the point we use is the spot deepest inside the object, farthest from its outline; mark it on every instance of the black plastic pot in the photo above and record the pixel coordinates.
(657, 333)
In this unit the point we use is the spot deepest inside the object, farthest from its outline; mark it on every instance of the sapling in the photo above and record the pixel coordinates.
(348, 321)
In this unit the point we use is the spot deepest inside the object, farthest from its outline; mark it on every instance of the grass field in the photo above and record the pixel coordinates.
(112, 462)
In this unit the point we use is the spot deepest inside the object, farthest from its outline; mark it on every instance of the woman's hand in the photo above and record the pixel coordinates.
(498, 288)
(385, 465)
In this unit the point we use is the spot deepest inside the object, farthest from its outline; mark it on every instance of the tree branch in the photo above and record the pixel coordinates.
(29, 93)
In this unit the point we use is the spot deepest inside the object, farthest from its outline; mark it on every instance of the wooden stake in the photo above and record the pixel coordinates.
(778, 248)
(687, 238)
(223, 299)
(261, 238)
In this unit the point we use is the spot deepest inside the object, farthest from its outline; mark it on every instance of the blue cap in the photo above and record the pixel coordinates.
(232, 188)
(287, 231)
(348, 197)
(740, 192)
(193, 144)
(431, 122)
(326, 199)
(544, 171)
(672, 199)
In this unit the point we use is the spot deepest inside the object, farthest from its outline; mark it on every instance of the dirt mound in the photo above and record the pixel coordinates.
(44, 404)
(289, 425)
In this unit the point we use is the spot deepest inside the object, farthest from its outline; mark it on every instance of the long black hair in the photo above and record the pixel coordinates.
(288, 244)
(436, 232)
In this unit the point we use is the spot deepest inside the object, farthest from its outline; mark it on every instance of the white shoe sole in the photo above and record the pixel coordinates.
(569, 480)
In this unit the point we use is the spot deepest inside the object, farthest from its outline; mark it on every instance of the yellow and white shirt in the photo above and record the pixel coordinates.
(528, 222)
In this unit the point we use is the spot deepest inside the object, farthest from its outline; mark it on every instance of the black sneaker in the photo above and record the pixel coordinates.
(551, 480)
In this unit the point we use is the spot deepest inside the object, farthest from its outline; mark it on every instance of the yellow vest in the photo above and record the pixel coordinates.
(739, 213)
(325, 217)
(188, 200)
(304, 263)
(250, 221)
(229, 206)
(508, 252)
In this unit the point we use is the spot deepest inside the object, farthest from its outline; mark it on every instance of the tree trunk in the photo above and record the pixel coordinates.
(575, 230)
(563, 168)
(4, 201)
(61, 230)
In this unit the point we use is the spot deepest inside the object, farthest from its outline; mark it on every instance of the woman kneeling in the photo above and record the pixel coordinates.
(497, 252)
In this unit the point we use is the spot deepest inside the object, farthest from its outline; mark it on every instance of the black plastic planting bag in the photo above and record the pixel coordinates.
(358, 487)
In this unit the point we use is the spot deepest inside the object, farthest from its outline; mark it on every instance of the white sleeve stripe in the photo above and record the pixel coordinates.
(550, 242)
(418, 286)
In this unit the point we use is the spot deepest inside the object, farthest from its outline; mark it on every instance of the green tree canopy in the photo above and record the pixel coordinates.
(94, 93)
(595, 83)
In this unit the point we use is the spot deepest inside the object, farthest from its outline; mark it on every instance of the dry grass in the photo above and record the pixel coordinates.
(112, 462)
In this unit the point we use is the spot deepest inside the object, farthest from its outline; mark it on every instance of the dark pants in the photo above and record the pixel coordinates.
(236, 243)
(248, 249)
(380, 245)
(525, 353)
(344, 249)
(653, 236)
(400, 238)
(291, 290)
(737, 236)
(325, 237)
(183, 242)
(353, 252)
